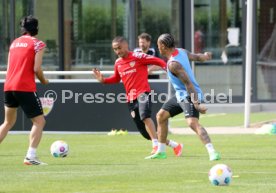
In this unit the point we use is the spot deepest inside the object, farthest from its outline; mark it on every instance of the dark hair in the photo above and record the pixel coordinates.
(167, 40)
(119, 39)
(29, 25)
(145, 36)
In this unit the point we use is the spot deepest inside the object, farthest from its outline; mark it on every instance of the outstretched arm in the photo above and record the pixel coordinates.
(199, 57)
(152, 68)
(110, 80)
(179, 72)
(98, 75)
(150, 60)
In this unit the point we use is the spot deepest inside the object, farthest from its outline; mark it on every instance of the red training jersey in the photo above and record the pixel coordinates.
(20, 73)
(133, 72)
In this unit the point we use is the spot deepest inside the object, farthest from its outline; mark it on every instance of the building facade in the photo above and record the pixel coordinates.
(78, 34)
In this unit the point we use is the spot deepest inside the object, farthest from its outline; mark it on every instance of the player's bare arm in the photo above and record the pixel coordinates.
(178, 71)
(37, 67)
(199, 56)
(153, 68)
(8, 63)
(98, 75)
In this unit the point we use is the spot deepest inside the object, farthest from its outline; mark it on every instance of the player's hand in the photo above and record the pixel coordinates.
(202, 109)
(45, 81)
(98, 75)
(150, 70)
(208, 55)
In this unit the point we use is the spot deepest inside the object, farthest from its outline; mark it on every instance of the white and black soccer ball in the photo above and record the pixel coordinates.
(220, 175)
(59, 149)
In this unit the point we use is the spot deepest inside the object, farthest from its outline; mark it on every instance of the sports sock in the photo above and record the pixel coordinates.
(161, 147)
(172, 144)
(210, 148)
(31, 153)
(154, 142)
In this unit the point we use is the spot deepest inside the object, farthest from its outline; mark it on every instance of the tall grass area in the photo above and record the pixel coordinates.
(101, 163)
(225, 119)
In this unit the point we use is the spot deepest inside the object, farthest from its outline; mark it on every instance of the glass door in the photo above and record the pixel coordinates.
(218, 27)
(266, 50)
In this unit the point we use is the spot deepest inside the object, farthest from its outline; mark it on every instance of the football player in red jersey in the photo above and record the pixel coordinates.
(24, 63)
(132, 69)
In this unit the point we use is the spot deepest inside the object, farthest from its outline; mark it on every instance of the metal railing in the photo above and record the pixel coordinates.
(79, 72)
(74, 73)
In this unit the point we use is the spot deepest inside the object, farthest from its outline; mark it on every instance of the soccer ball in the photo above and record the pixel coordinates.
(59, 149)
(220, 175)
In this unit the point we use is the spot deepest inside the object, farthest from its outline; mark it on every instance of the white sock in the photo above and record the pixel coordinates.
(154, 142)
(172, 144)
(161, 147)
(31, 153)
(210, 148)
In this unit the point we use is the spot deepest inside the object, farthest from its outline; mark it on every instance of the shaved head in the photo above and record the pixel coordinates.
(120, 46)
(119, 39)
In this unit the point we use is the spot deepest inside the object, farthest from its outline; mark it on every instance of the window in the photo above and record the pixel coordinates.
(48, 26)
(9, 28)
(218, 30)
(90, 26)
(155, 20)
(48, 31)
(266, 49)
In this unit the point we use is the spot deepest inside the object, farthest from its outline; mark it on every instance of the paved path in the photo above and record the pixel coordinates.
(216, 130)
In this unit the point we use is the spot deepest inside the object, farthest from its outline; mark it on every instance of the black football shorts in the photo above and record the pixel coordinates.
(174, 107)
(140, 109)
(28, 101)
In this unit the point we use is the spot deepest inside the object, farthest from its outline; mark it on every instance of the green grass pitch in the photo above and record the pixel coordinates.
(226, 119)
(101, 163)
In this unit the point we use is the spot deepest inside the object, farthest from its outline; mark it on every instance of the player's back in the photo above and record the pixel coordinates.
(20, 73)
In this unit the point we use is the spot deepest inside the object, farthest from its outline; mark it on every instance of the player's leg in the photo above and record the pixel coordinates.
(144, 105)
(34, 140)
(10, 114)
(36, 131)
(32, 107)
(169, 109)
(134, 111)
(192, 118)
(139, 123)
(162, 120)
(144, 109)
(10, 118)
(151, 130)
